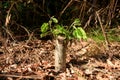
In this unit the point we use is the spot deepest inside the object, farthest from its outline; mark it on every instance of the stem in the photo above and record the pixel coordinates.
(104, 34)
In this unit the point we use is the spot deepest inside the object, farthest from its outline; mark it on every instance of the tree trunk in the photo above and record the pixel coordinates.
(60, 54)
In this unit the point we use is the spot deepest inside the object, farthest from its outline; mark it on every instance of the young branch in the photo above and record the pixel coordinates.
(66, 7)
(103, 31)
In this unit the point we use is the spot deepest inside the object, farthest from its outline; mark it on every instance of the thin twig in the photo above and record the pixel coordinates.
(66, 7)
(103, 31)
(82, 11)
(21, 76)
(30, 35)
(8, 21)
(9, 15)
(88, 22)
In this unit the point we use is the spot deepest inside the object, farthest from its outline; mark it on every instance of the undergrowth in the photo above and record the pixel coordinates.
(112, 35)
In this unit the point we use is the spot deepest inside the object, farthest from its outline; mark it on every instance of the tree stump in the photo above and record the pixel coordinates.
(60, 54)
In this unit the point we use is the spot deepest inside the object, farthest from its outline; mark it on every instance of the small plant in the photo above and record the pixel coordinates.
(69, 32)
(62, 34)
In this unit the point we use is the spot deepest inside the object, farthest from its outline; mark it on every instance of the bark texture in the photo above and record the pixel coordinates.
(60, 54)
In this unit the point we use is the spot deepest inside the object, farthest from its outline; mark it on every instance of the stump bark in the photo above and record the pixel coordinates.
(60, 54)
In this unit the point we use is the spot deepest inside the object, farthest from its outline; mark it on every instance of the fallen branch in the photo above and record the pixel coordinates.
(21, 76)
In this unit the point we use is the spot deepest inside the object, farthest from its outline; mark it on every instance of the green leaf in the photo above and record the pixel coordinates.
(77, 22)
(60, 30)
(84, 36)
(57, 30)
(79, 33)
(54, 20)
(44, 27)
(44, 34)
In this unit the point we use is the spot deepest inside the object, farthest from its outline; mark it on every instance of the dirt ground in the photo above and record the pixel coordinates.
(34, 60)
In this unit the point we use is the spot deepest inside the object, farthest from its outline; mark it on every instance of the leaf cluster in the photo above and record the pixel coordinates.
(69, 32)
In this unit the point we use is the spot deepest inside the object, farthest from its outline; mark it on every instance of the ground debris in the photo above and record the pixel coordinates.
(35, 60)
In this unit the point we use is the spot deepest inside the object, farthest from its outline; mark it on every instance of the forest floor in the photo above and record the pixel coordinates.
(34, 60)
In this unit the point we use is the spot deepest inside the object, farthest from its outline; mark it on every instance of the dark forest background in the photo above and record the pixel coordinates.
(27, 16)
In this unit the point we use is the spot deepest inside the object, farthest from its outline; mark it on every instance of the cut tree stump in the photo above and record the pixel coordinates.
(60, 54)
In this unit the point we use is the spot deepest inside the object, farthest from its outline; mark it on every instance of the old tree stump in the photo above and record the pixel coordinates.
(60, 54)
